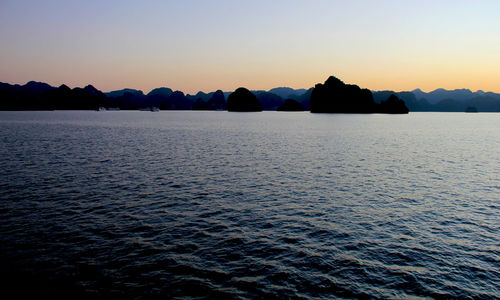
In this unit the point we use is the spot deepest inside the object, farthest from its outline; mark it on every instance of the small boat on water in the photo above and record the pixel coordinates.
(102, 108)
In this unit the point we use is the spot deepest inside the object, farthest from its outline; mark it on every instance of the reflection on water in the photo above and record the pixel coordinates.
(216, 204)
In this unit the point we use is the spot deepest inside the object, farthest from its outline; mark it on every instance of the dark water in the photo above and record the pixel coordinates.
(217, 204)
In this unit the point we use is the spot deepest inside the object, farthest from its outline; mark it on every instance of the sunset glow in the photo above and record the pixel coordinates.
(209, 45)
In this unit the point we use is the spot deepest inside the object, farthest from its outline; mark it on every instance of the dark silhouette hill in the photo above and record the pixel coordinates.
(210, 101)
(64, 98)
(268, 101)
(176, 101)
(331, 96)
(34, 87)
(408, 97)
(418, 100)
(291, 105)
(163, 98)
(438, 95)
(218, 100)
(393, 105)
(485, 103)
(157, 97)
(24, 97)
(286, 92)
(127, 99)
(120, 93)
(334, 96)
(242, 100)
(163, 92)
(304, 99)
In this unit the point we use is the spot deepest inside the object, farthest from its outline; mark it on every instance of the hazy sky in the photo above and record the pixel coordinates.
(206, 45)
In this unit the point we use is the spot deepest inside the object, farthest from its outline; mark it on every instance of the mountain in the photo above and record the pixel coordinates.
(268, 101)
(64, 98)
(210, 101)
(242, 100)
(41, 96)
(408, 97)
(393, 105)
(304, 99)
(286, 92)
(334, 96)
(445, 100)
(163, 92)
(442, 94)
(34, 87)
(291, 105)
(121, 93)
(176, 101)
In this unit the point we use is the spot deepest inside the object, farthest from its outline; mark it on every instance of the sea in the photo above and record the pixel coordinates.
(287, 205)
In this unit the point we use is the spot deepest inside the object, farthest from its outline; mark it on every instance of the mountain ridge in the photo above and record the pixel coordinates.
(33, 95)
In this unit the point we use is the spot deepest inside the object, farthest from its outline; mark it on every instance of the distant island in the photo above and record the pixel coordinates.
(332, 96)
(243, 100)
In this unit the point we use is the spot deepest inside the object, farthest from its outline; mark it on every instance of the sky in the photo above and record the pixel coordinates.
(193, 45)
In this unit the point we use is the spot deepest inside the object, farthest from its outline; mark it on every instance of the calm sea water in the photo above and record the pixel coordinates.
(218, 204)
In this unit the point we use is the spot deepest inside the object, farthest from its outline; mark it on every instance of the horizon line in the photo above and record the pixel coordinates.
(256, 90)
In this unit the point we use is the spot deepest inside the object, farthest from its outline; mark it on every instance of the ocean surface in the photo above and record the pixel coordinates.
(249, 205)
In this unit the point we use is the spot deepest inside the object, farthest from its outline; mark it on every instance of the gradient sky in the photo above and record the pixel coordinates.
(193, 45)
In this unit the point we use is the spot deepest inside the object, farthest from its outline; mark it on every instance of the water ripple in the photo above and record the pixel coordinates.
(219, 205)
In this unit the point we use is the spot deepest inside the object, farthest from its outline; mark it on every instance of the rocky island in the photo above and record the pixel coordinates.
(242, 100)
(334, 96)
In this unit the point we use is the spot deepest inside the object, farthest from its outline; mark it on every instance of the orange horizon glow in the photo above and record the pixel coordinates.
(201, 46)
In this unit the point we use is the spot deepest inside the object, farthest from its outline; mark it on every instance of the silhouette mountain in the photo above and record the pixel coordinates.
(211, 101)
(291, 105)
(163, 98)
(408, 97)
(242, 100)
(393, 105)
(304, 99)
(158, 97)
(65, 98)
(163, 91)
(438, 95)
(286, 92)
(268, 101)
(24, 97)
(334, 96)
(451, 101)
(121, 93)
(218, 100)
(34, 87)
(176, 101)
